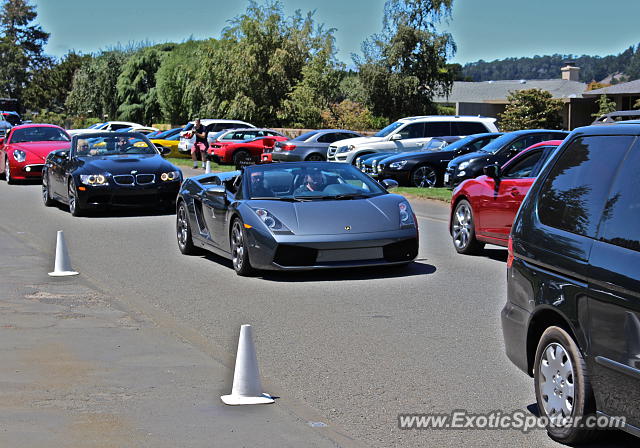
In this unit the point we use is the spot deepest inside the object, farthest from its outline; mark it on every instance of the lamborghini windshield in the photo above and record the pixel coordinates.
(112, 144)
(309, 181)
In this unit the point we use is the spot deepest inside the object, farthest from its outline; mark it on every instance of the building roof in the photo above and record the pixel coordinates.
(497, 91)
(625, 88)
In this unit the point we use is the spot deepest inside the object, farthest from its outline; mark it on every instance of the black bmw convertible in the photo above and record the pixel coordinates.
(110, 169)
(296, 215)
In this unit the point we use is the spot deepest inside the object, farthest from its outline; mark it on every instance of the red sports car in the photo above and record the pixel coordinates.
(234, 152)
(24, 149)
(483, 209)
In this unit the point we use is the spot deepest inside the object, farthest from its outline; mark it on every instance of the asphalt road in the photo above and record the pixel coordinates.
(354, 348)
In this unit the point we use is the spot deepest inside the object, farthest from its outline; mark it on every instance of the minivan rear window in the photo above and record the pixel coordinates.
(573, 195)
(622, 210)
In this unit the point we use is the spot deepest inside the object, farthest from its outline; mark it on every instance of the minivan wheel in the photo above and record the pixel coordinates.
(463, 230)
(562, 386)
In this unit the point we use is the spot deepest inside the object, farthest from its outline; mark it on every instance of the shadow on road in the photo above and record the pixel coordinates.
(366, 273)
(604, 439)
(114, 212)
(495, 254)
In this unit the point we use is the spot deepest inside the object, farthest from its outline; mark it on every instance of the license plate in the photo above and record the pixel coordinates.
(446, 178)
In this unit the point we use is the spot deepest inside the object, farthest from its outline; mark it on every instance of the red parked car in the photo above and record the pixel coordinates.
(483, 209)
(24, 149)
(233, 152)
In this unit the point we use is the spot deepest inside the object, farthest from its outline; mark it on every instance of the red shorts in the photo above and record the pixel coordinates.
(198, 146)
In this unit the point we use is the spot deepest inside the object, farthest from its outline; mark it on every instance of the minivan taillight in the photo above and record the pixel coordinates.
(510, 252)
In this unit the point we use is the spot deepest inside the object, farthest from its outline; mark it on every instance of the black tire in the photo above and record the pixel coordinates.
(239, 156)
(72, 198)
(463, 230)
(239, 251)
(183, 231)
(564, 374)
(424, 176)
(7, 170)
(46, 195)
(315, 157)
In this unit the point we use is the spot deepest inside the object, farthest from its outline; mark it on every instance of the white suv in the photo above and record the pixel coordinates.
(212, 126)
(409, 134)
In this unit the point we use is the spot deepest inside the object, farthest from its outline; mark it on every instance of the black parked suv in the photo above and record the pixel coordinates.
(572, 317)
(498, 152)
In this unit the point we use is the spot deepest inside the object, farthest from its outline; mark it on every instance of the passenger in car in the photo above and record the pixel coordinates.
(313, 181)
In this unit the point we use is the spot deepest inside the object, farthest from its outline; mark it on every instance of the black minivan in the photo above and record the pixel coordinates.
(572, 317)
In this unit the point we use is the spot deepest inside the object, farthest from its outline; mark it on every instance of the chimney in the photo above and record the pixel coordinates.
(570, 72)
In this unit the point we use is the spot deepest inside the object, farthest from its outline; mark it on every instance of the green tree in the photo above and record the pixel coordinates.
(93, 91)
(319, 87)
(51, 84)
(351, 115)
(531, 109)
(176, 79)
(21, 46)
(404, 67)
(605, 106)
(136, 85)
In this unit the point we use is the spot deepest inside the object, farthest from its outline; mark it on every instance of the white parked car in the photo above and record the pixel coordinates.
(106, 126)
(187, 139)
(409, 134)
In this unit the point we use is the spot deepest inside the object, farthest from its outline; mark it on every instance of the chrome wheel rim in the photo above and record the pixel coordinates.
(237, 246)
(72, 199)
(556, 383)
(462, 225)
(7, 171)
(424, 177)
(45, 190)
(183, 226)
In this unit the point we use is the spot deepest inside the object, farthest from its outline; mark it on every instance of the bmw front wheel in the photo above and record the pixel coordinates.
(72, 195)
(46, 195)
(424, 176)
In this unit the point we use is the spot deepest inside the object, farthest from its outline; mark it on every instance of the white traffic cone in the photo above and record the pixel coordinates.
(247, 388)
(62, 267)
(207, 167)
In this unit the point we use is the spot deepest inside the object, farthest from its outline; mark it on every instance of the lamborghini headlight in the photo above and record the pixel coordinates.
(272, 223)
(94, 179)
(397, 165)
(406, 216)
(19, 155)
(169, 176)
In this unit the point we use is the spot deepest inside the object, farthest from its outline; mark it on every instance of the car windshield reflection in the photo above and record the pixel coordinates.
(112, 144)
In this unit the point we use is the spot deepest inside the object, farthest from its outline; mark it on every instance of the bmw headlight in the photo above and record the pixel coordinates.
(169, 176)
(271, 221)
(406, 216)
(397, 165)
(19, 155)
(94, 179)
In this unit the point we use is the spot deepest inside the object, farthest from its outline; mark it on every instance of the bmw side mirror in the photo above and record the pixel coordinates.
(492, 171)
(396, 137)
(389, 184)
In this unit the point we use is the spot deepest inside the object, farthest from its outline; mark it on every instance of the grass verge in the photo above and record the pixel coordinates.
(189, 163)
(439, 194)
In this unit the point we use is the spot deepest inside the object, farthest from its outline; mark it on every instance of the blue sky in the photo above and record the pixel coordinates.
(482, 29)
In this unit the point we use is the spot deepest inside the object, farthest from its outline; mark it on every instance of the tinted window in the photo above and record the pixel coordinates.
(304, 137)
(115, 127)
(328, 138)
(437, 129)
(525, 167)
(525, 142)
(573, 195)
(414, 130)
(467, 128)
(622, 210)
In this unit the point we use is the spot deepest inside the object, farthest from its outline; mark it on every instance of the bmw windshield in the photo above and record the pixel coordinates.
(309, 181)
(111, 144)
(497, 144)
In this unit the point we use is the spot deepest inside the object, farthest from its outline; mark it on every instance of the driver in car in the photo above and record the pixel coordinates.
(313, 181)
(258, 190)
